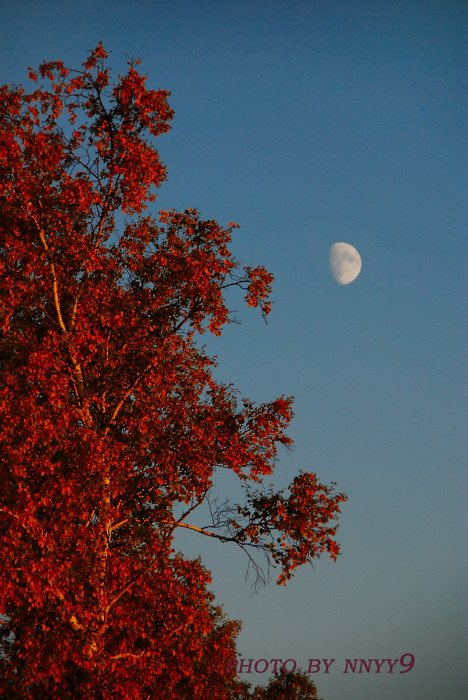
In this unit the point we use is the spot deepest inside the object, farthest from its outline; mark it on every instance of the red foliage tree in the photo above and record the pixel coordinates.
(112, 426)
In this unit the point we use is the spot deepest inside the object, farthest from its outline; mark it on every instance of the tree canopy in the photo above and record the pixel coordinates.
(286, 685)
(113, 427)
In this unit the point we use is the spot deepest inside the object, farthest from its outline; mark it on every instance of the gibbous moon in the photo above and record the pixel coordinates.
(345, 262)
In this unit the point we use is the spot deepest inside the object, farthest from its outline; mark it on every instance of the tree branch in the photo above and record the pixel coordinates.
(127, 656)
(54, 279)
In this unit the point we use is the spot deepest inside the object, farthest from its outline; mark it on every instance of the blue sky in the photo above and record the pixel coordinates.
(308, 123)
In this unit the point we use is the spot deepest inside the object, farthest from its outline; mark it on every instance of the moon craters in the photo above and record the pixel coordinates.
(345, 262)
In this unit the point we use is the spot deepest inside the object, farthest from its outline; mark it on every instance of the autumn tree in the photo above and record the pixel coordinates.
(286, 685)
(113, 428)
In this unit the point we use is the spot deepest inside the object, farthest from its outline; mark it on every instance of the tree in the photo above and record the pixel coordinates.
(285, 685)
(113, 428)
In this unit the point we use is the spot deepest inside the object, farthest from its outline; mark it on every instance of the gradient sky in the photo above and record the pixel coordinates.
(309, 122)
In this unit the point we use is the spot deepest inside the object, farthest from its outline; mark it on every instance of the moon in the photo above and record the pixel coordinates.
(345, 262)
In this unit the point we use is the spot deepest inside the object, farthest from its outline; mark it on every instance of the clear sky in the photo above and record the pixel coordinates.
(309, 122)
